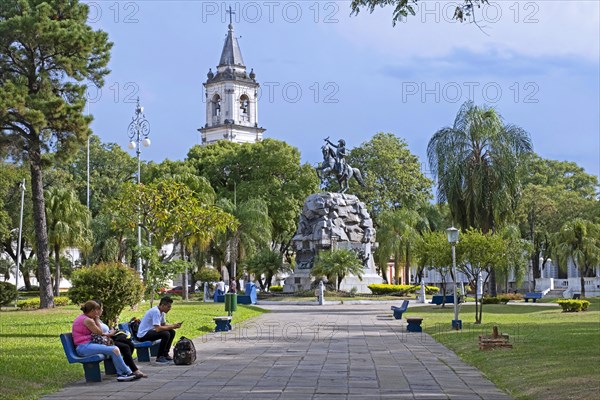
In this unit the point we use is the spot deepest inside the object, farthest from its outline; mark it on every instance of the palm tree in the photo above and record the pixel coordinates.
(253, 231)
(337, 263)
(396, 234)
(68, 224)
(269, 263)
(477, 163)
(578, 240)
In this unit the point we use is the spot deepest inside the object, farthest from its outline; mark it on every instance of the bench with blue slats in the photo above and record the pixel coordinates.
(533, 296)
(144, 349)
(91, 364)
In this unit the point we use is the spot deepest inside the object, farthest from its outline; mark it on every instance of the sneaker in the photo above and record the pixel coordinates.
(163, 360)
(126, 378)
(169, 358)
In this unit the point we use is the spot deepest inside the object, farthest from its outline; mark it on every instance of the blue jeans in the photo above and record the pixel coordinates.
(88, 349)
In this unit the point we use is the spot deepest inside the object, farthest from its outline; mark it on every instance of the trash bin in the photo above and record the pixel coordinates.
(251, 292)
(230, 302)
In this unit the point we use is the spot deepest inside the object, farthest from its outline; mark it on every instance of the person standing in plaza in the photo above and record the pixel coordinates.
(221, 286)
(154, 326)
(233, 286)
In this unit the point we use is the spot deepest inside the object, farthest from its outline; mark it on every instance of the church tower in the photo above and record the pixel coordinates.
(231, 98)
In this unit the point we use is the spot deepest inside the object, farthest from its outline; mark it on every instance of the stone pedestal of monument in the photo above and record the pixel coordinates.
(338, 221)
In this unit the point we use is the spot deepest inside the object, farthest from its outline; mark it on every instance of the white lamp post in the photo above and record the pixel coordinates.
(22, 187)
(138, 131)
(452, 234)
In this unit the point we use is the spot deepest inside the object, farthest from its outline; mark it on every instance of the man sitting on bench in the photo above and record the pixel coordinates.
(154, 326)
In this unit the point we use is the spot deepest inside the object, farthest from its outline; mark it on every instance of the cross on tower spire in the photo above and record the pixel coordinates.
(230, 14)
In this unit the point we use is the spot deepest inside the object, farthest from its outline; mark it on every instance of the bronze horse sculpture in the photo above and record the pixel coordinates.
(343, 174)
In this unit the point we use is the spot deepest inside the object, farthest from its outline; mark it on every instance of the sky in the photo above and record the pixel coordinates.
(326, 73)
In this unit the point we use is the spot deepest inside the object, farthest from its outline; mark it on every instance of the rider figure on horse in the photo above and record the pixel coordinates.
(340, 154)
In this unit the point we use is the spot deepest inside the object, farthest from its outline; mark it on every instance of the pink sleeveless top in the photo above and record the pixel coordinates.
(81, 333)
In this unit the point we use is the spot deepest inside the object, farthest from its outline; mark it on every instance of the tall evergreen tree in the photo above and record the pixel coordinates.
(47, 52)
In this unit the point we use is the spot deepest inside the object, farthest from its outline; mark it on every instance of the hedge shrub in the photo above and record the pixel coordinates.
(504, 298)
(512, 296)
(496, 300)
(8, 293)
(276, 289)
(399, 290)
(574, 305)
(114, 284)
(432, 290)
(34, 303)
(207, 275)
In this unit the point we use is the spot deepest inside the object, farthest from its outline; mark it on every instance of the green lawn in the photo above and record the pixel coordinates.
(555, 355)
(32, 359)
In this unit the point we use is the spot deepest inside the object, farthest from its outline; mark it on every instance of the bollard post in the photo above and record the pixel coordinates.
(321, 293)
(422, 297)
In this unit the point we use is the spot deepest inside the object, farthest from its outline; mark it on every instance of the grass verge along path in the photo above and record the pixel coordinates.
(555, 355)
(32, 359)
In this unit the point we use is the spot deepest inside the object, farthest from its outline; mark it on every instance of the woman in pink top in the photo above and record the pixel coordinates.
(83, 327)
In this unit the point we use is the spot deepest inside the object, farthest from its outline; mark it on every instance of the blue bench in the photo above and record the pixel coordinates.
(399, 310)
(241, 299)
(532, 295)
(248, 298)
(438, 299)
(91, 364)
(144, 349)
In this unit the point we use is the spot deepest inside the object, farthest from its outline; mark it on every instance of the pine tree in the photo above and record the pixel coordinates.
(47, 55)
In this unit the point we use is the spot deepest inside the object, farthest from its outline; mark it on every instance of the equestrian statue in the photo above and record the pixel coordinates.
(334, 161)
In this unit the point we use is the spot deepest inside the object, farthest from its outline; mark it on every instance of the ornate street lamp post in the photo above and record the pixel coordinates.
(452, 234)
(138, 131)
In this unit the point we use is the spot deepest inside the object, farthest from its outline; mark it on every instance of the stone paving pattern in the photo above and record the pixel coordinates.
(307, 352)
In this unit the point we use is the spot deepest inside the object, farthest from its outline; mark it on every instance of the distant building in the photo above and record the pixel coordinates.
(231, 99)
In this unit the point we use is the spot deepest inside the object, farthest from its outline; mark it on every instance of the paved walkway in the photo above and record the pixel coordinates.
(307, 352)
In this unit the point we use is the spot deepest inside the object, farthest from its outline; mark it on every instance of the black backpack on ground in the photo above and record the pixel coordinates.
(184, 352)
